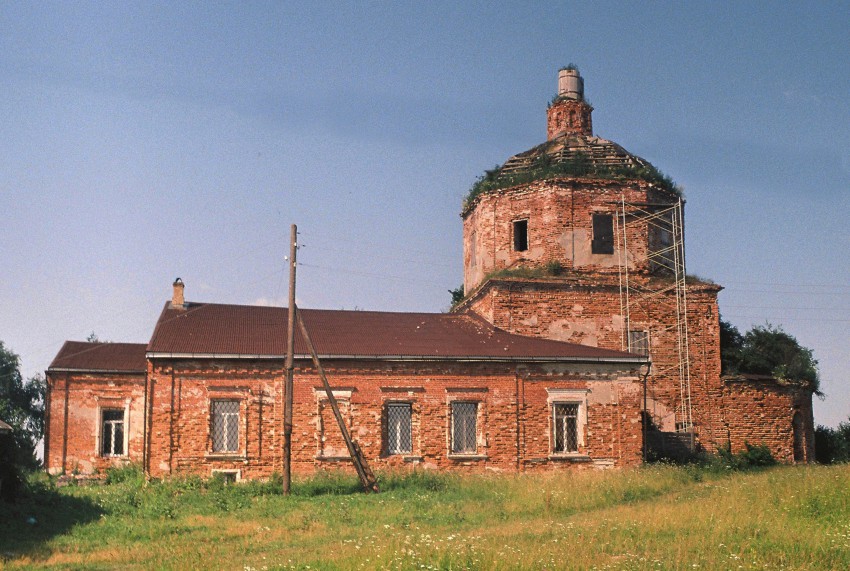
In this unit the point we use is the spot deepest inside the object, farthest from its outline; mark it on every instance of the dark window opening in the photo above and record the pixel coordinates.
(112, 433)
(565, 428)
(521, 235)
(603, 234)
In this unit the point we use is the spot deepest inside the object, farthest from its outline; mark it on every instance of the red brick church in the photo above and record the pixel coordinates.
(581, 341)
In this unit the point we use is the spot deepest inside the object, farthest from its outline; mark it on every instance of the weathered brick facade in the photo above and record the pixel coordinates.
(74, 408)
(584, 312)
(513, 430)
(765, 412)
(170, 427)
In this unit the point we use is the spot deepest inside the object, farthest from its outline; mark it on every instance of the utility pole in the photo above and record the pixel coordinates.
(290, 366)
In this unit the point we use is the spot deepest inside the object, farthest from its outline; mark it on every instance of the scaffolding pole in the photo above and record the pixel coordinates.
(651, 280)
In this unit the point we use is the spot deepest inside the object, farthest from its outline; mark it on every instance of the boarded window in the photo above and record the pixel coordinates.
(399, 424)
(603, 234)
(331, 443)
(565, 424)
(464, 427)
(112, 432)
(639, 342)
(225, 425)
(521, 235)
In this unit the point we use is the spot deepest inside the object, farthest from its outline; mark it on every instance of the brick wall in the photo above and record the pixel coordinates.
(514, 415)
(765, 413)
(73, 428)
(587, 310)
(560, 226)
(569, 116)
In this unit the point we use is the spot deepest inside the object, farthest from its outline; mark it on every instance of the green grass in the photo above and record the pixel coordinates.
(655, 517)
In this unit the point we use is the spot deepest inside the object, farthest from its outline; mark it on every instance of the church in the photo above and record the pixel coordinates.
(580, 341)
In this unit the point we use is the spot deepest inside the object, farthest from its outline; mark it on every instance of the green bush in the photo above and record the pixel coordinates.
(755, 456)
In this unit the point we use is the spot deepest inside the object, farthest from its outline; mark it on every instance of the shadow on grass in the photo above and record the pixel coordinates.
(37, 515)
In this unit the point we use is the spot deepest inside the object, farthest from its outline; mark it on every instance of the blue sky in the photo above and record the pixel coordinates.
(141, 142)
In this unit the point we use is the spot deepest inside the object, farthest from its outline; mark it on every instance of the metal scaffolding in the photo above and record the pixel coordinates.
(653, 293)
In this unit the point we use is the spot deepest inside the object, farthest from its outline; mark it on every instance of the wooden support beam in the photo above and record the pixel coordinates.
(367, 478)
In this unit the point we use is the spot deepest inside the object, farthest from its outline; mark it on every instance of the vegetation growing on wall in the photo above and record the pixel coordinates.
(579, 166)
(768, 350)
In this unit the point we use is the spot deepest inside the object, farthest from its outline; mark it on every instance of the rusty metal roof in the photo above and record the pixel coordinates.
(206, 329)
(84, 356)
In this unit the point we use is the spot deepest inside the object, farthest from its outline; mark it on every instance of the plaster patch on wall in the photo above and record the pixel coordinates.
(600, 393)
(582, 333)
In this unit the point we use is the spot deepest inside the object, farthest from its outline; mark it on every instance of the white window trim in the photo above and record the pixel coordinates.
(241, 442)
(409, 405)
(342, 396)
(480, 440)
(98, 445)
(567, 396)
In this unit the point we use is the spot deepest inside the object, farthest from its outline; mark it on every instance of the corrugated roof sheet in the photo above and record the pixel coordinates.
(79, 355)
(216, 329)
(4, 427)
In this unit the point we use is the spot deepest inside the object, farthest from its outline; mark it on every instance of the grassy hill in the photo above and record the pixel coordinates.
(656, 517)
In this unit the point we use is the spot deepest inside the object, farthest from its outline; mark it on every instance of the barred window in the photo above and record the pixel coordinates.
(225, 425)
(399, 423)
(464, 427)
(565, 423)
(112, 432)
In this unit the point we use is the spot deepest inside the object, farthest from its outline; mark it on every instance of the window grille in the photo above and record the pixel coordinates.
(112, 433)
(464, 427)
(225, 426)
(566, 427)
(399, 423)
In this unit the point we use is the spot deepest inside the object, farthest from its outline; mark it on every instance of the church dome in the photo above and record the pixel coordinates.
(572, 150)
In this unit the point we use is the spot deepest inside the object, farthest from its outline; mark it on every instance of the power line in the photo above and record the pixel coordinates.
(337, 269)
(787, 307)
(778, 318)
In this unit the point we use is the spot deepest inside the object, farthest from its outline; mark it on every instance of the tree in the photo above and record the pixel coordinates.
(731, 342)
(832, 445)
(457, 295)
(768, 350)
(21, 406)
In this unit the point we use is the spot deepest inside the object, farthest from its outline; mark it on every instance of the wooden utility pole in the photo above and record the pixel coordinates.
(290, 366)
(367, 478)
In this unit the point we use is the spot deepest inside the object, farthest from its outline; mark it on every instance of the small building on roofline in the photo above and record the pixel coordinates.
(581, 341)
